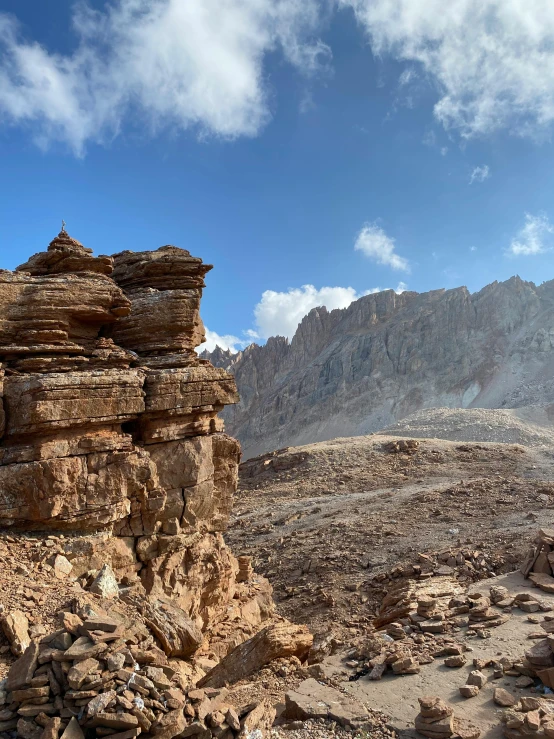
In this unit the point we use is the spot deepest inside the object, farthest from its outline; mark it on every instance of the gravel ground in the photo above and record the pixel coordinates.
(474, 424)
(325, 730)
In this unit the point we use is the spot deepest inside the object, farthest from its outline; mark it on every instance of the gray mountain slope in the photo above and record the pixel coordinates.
(357, 370)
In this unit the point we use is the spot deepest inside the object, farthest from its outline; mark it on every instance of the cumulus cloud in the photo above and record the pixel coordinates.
(196, 64)
(533, 238)
(228, 341)
(279, 313)
(480, 174)
(492, 61)
(375, 244)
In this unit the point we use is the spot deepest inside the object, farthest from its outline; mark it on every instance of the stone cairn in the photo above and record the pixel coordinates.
(539, 565)
(109, 434)
(436, 720)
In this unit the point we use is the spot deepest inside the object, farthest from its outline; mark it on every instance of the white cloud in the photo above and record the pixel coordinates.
(444, 151)
(533, 238)
(472, 248)
(167, 63)
(492, 61)
(228, 341)
(480, 174)
(279, 313)
(375, 244)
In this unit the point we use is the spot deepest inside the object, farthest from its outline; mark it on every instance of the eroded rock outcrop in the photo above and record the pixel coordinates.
(109, 432)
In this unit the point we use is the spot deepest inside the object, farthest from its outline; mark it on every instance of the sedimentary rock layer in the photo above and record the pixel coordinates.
(109, 428)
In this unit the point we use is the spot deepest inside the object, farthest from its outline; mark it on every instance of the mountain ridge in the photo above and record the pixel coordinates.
(355, 370)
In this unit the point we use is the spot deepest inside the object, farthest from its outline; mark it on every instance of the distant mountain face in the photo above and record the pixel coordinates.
(357, 370)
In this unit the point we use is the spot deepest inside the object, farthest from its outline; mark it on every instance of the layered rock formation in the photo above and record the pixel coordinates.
(357, 370)
(109, 429)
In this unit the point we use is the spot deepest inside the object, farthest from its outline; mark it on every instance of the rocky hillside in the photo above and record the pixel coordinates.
(357, 370)
(116, 484)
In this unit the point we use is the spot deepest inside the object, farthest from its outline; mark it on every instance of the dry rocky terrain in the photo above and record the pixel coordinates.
(325, 522)
(363, 586)
(122, 609)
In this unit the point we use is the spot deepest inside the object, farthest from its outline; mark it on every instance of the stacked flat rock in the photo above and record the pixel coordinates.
(539, 564)
(531, 717)
(436, 720)
(66, 254)
(109, 433)
(481, 615)
(104, 677)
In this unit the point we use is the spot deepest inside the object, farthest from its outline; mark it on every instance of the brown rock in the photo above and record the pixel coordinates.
(62, 567)
(114, 720)
(15, 626)
(231, 717)
(28, 729)
(129, 734)
(547, 677)
(434, 707)
(476, 677)
(281, 640)
(99, 703)
(170, 725)
(81, 671)
(528, 703)
(465, 729)
(312, 700)
(548, 729)
(469, 691)
(455, 661)
(503, 698)
(177, 634)
(22, 671)
(83, 648)
(542, 581)
(29, 693)
(51, 728)
(540, 654)
(73, 730)
(435, 728)
(71, 623)
(33, 709)
(533, 720)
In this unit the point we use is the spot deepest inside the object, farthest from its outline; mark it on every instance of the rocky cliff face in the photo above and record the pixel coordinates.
(354, 371)
(109, 430)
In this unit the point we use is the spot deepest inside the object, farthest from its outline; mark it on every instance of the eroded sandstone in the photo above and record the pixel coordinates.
(109, 433)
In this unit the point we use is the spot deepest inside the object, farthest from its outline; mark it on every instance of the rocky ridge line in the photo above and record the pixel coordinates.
(356, 370)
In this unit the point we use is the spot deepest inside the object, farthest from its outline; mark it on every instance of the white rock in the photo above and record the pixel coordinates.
(105, 583)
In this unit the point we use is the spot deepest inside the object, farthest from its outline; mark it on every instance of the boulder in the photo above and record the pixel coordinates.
(15, 626)
(280, 640)
(105, 583)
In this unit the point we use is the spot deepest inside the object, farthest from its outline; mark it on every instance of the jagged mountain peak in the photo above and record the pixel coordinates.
(358, 369)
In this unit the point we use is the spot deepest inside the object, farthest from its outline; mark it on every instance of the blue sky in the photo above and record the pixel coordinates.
(346, 146)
